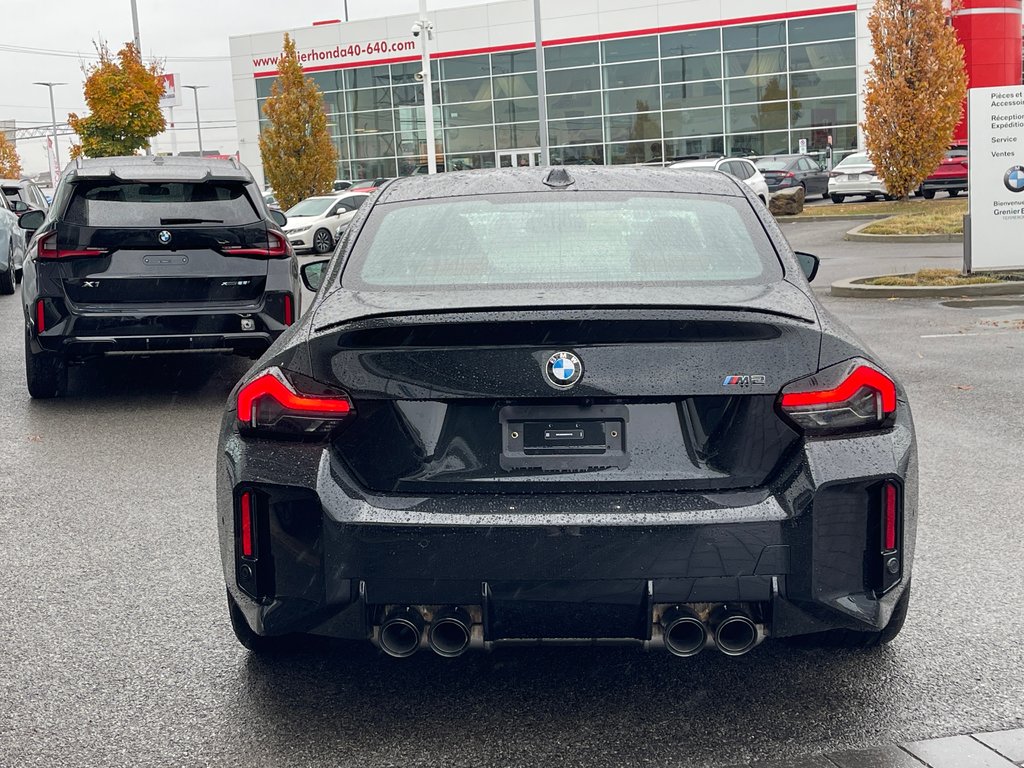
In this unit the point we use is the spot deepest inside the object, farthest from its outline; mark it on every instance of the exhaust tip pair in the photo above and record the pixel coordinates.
(686, 634)
(448, 635)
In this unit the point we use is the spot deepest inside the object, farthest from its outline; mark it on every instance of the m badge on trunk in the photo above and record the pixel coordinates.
(564, 369)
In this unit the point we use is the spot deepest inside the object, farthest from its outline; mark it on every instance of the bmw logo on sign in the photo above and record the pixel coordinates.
(1014, 179)
(164, 237)
(564, 369)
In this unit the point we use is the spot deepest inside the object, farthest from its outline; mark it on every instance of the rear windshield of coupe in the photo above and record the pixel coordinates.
(569, 238)
(160, 204)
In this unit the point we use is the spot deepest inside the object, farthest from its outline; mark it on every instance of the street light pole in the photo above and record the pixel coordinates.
(138, 47)
(542, 88)
(426, 32)
(53, 117)
(199, 129)
(135, 27)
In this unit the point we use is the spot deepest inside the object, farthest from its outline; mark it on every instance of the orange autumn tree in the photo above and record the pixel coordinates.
(299, 158)
(10, 163)
(915, 90)
(123, 96)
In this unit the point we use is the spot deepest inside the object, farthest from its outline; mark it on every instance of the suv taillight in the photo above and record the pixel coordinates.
(277, 247)
(46, 248)
(273, 403)
(853, 395)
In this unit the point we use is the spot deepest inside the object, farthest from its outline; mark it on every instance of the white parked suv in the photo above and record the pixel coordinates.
(313, 222)
(744, 170)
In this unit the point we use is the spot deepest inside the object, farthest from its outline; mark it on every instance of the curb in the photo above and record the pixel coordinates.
(998, 749)
(834, 217)
(855, 235)
(854, 288)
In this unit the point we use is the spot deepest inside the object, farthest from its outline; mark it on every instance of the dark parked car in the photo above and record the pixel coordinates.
(591, 404)
(140, 255)
(950, 176)
(788, 171)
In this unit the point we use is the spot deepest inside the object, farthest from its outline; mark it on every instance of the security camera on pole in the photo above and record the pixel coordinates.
(424, 28)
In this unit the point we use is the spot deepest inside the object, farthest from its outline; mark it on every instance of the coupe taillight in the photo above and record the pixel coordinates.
(274, 402)
(849, 396)
(46, 248)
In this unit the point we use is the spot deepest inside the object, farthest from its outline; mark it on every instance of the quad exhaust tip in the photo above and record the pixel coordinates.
(400, 632)
(735, 632)
(685, 634)
(449, 633)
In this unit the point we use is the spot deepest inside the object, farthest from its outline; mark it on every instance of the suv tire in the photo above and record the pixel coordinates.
(928, 194)
(837, 198)
(46, 373)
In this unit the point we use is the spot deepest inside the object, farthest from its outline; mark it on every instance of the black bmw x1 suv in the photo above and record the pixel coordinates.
(143, 255)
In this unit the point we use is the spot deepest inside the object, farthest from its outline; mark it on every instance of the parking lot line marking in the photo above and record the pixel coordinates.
(963, 335)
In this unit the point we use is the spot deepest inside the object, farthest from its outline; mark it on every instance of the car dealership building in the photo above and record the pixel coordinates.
(628, 81)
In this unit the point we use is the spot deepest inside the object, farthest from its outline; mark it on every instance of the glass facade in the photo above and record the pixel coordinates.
(734, 90)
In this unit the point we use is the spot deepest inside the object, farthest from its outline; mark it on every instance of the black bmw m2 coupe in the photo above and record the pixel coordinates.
(586, 405)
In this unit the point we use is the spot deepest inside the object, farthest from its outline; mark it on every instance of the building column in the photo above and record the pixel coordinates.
(990, 32)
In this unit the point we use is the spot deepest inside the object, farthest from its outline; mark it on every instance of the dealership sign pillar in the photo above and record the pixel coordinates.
(996, 178)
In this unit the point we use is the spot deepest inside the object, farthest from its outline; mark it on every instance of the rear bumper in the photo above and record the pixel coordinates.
(943, 184)
(332, 560)
(83, 334)
(860, 187)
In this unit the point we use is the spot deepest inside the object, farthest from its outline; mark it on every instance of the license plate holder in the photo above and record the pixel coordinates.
(564, 438)
(854, 177)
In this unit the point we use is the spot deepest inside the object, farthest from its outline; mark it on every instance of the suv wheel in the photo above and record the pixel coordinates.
(929, 194)
(7, 279)
(322, 241)
(46, 373)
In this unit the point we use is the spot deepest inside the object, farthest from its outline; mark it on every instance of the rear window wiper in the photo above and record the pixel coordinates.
(191, 221)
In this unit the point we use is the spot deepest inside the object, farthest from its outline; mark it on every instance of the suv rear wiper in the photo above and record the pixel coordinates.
(191, 221)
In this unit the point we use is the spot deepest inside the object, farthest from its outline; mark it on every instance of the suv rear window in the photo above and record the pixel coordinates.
(606, 238)
(159, 204)
(12, 193)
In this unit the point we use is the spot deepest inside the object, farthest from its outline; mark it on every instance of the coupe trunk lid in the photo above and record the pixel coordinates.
(668, 398)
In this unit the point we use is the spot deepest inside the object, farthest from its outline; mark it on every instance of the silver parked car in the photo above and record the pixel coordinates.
(12, 247)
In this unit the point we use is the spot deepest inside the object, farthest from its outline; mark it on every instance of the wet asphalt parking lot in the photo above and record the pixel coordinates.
(115, 648)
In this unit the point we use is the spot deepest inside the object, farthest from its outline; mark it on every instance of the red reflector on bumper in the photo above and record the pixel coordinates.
(40, 316)
(245, 523)
(889, 512)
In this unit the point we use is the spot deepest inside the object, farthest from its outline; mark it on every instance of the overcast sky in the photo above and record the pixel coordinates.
(192, 35)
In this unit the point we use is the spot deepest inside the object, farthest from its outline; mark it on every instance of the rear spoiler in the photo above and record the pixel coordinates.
(159, 170)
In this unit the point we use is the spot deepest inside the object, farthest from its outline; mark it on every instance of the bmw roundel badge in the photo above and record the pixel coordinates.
(1014, 179)
(164, 237)
(564, 369)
